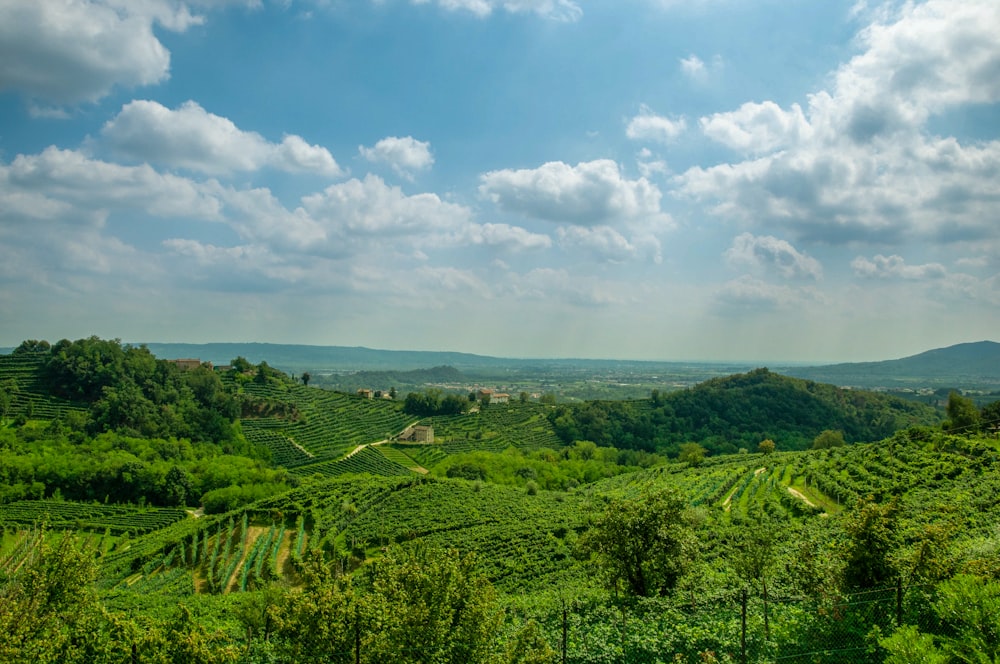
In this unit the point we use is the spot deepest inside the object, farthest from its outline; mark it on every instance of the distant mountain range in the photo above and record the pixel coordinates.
(968, 366)
(296, 358)
(965, 366)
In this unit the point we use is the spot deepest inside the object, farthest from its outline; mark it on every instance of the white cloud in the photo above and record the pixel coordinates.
(71, 184)
(369, 207)
(648, 126)
(606, 243)
(859, 163)
(757, 128)
(697, 69)
(558, 10)
(70, 51)
(894, 267)
(926, 58)
(405, 155)
(190, 137)
(650, 165)
(503, 236)
(770, 253)
(589, 193)
(693, 66)
(934, 279)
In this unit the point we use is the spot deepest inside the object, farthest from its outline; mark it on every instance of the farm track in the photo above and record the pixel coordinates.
(801, 496)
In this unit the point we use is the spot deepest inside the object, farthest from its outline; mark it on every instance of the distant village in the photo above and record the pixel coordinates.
(484, 395)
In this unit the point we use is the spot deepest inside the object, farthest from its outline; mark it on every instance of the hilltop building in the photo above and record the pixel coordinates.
(188, 363)
(419, 433)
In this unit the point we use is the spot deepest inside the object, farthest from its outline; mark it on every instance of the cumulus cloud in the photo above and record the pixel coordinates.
(370, 207)
(771, 254)
(757, 128)
(590, 193)
(192, 138)
(70, 51)
(405, 155)
(558, 10)
(858, 164)
(935, 279)
(894, 267)
(70, 184)
(648, 126)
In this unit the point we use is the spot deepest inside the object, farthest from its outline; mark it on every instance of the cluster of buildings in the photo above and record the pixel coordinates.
(486, 395)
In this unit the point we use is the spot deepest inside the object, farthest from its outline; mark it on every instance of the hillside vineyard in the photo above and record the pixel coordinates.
(153, 510)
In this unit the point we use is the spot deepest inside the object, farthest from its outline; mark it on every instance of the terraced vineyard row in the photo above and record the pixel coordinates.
(498, 426)
(330, 423)
(28, 396)
(367, 460)
(116, 518)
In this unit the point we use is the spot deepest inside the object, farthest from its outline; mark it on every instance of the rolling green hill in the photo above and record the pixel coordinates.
(739, 411)
(967, 366)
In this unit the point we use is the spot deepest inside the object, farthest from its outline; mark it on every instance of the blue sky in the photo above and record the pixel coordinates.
(647, 179)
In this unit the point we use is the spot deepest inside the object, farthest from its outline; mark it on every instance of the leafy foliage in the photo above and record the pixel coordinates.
(724, 414)
(644, 543)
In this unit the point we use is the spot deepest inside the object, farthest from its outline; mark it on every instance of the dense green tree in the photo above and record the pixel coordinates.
(990, 415)
(766, 446)
(530, 647)
(413, 605)
(432, 606)
(306, 376)
(241, 365)
(872, 537)
(433, 402)
(828, 438)
(646, 543)
(178, 487)
(691, 453)
(963, 416)
(45, 606)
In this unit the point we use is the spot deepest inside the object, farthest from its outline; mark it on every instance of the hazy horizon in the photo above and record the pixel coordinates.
(751, 362)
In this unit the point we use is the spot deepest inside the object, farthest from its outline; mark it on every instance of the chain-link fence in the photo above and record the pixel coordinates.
(734, 628)
(740, 627)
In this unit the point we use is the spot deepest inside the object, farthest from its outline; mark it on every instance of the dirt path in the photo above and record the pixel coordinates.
(355, 451)
(801, 496)
(300, 448)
